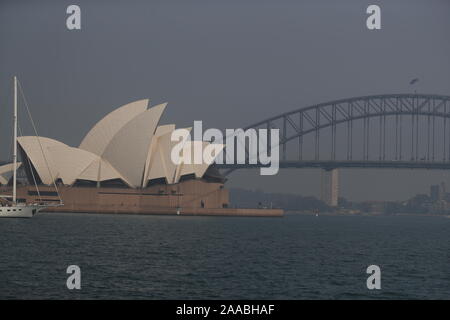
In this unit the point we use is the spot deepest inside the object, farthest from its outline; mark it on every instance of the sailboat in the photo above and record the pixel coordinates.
(14, 208)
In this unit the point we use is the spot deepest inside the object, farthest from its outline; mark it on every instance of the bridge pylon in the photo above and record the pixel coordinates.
(330, 187)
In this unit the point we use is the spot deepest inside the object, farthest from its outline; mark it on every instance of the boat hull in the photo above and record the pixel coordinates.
(19, 211)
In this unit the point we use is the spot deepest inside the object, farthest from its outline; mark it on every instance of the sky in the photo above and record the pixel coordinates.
(227, 63)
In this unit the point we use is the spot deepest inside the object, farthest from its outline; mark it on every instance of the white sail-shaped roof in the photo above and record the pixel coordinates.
(128, 149)
(98, 138)
(162, 165)
(153, 161)
(37, 150)
(127, 144)
(100, 170)
(6, 172)
(165, 145)
(70, 162)
(158, 169)
(198, 169)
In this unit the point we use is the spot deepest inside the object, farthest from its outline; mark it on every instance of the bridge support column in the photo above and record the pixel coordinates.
(330, 187)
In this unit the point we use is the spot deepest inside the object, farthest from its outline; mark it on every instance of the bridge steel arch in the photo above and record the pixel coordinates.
(314, 119)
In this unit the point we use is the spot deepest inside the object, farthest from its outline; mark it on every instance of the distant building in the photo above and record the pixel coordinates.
(330, 187)
(373, 207)
(437, 192)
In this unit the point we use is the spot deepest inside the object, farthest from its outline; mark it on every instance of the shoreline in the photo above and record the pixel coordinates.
(365, 214)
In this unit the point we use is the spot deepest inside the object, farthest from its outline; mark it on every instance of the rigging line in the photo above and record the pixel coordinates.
(31, 169)
(9, 157)
(39, 140)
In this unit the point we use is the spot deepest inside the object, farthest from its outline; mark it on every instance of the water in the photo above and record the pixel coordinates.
(173, 257)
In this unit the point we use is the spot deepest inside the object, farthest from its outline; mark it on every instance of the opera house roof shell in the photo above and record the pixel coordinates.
(126, 145)
(6, 172)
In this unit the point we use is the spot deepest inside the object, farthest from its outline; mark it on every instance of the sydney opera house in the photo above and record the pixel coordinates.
(123, 165)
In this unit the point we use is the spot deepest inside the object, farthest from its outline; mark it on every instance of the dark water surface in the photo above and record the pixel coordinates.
(172, 257)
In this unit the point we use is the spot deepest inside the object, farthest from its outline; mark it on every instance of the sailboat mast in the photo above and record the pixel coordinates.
(15, 142)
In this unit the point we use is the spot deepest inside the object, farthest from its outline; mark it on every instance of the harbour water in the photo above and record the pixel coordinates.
(176, 257)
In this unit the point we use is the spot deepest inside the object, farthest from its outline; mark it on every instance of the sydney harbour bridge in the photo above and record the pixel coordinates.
(410, 131)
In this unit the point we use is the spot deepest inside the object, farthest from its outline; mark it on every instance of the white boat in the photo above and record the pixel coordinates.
(20, 210)
(13, 208)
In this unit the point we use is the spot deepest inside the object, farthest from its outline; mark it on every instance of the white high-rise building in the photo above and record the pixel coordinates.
(330, 187)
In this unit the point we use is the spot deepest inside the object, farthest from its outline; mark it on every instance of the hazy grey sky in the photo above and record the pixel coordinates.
(228, 63)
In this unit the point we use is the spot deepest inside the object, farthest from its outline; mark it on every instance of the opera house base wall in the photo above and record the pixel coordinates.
(190, 197)
(183, 212)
